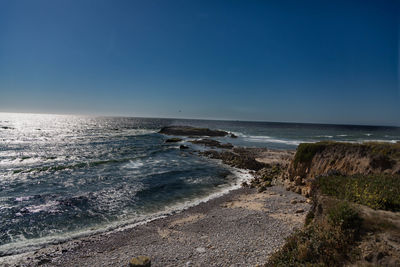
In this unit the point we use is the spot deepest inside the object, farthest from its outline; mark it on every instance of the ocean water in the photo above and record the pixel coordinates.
(66, 176)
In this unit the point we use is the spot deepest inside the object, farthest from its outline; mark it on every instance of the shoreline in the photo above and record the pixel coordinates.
(41, 243)
(239, 200)
(239, 224)
(240, 227)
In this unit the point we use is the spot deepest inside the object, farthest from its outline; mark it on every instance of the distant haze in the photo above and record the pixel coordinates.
(294, 61)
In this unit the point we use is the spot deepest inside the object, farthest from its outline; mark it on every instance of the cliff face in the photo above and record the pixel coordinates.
(326, 158)
(355, 218)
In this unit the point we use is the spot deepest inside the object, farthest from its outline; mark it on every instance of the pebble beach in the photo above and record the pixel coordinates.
(240, 228)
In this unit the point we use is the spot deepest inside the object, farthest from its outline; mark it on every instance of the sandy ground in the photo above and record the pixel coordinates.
(275, 156)
(240, 228)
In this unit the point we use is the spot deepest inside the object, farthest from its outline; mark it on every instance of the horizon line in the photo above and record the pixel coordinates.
(204, 119)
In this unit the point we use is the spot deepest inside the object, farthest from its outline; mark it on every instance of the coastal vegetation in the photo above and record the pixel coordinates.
(355, 188)
(325, 242)
(376, 150)
(349, 185)
(375, 191)
(306, 152)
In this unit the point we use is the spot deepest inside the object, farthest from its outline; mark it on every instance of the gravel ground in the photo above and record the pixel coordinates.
(241, 228)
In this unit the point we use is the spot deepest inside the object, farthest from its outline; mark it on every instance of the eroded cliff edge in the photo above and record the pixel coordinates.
(355, 218)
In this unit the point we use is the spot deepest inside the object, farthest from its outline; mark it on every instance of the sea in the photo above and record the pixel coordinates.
(67, 176)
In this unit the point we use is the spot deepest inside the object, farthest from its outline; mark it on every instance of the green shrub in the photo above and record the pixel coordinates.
(325, 242)
(384, 149)
(383, 152)
(376, 191)
(309, 217)
(306, 152)
(343, 216)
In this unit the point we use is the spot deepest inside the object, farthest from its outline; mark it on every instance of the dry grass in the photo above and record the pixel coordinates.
(325, 242)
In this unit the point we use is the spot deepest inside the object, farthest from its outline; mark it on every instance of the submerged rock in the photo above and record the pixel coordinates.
(173, 140)
(141, 261)
(212, 143)
(239, 160)
(191, 131)
(183, 147)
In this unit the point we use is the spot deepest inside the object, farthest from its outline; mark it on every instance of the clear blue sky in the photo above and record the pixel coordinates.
(301, 61)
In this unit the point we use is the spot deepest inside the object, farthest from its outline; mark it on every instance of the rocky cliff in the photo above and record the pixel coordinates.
(355, 218)
(324, 158)
(336, 158)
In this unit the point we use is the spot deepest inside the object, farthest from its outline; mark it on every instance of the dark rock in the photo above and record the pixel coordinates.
(238, 160)
(173, 140)
(226, 146)
(268, 173)
(233, 136)
(191, 131)
(141, 261)
(297, 180)
(212, 143)
(183, 147)
(263, 186)
(297, 189)
(261, 189)
(43, 261)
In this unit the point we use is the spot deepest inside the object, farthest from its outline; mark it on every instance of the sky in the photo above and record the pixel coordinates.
(291, 61)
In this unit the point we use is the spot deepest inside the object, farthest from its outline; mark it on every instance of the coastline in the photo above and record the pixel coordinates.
(243, 227)
(230, 226)
(233, 225)
(240, 227)
(241, 175)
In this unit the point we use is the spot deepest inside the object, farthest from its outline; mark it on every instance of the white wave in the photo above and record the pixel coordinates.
(342, 135)
(393, 141)
(360, 141)
(50, 206)
(132, 132)
(23, 247)
(134, 164)
(242, 175)
(19, 199)
(268, 139)
(123, 133)
(324, 136)
(239, 134)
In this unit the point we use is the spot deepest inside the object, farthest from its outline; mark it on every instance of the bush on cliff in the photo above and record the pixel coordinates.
(324, 242)
(382, 154)
(377, 191)
(306, 152)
